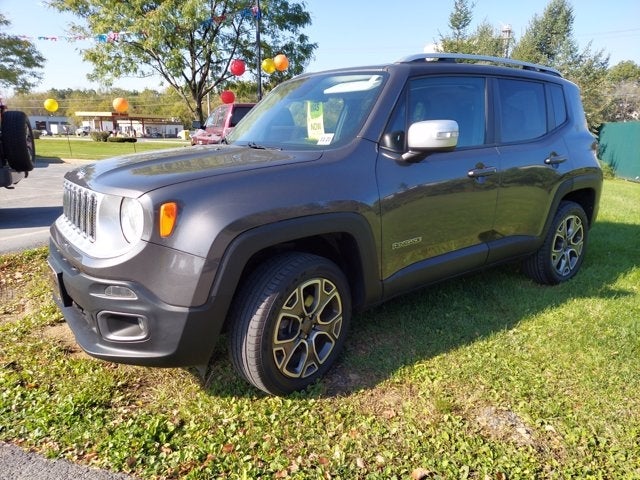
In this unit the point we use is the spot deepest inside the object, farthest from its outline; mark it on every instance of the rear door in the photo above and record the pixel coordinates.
(530, 118)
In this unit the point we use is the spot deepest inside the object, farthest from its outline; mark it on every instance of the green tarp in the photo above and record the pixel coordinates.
(619, 146)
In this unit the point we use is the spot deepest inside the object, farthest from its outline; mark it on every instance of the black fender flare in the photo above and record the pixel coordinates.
(247, 244)
(589, 181)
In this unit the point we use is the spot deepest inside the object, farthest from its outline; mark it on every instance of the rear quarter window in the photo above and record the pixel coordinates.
(558, 107)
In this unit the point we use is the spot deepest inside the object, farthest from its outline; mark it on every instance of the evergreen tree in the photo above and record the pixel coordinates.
(483, 41)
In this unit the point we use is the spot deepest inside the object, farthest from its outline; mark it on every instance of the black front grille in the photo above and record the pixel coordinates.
(80, 206)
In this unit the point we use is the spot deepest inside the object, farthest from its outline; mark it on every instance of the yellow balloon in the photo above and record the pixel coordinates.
(50, 105)
(268, 65)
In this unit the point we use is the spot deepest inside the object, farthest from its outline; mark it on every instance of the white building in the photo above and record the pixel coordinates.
(132, 125)
(53, 125)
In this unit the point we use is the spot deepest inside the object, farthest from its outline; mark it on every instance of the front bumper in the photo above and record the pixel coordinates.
(122, 321)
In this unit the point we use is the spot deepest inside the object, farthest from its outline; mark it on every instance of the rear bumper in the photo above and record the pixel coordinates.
(123, 322)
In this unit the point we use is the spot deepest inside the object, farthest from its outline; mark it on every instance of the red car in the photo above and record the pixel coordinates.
(220, 123)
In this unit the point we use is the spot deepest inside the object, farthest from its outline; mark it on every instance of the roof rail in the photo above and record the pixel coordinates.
(454, 57)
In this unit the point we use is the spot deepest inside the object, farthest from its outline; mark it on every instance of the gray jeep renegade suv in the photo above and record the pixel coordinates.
(339, 190)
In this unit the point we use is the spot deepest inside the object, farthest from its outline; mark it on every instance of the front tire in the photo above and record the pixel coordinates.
(18, 145)
(289, 322)
(562, 253)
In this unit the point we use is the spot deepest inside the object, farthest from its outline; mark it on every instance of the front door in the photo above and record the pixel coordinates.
(437, 213)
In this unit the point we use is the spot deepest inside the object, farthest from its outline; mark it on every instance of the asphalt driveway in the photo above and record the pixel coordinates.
(28, 209)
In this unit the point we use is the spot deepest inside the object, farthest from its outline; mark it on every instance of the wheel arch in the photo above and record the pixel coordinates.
(584, 190)
(344, 238)
(586, 193)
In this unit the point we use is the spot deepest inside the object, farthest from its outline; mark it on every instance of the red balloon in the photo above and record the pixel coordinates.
(227, 96)
(237, 67)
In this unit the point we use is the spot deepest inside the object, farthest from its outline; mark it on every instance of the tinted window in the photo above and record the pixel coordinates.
(522, 110)
(558, 106)
(441, 98)
(237, 114)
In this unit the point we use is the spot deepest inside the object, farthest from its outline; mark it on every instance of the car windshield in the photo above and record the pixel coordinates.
(310, 112)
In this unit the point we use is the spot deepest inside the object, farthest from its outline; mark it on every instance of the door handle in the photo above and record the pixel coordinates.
(482, 172)
(555, 159)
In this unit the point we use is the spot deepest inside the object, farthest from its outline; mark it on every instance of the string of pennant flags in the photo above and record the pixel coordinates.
(111, 37)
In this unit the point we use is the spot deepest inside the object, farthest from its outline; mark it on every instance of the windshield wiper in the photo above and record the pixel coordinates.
(261, 147)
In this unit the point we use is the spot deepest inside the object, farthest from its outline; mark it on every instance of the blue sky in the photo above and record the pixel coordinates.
(352, 32)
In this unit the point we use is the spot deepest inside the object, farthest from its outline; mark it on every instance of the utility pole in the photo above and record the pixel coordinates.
(258, 50)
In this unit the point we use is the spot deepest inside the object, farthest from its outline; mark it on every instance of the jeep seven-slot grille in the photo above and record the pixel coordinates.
(80, 206)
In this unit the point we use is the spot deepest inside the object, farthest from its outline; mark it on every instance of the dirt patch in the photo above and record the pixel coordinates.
(504, 425)
(13, 304)
(62, 335)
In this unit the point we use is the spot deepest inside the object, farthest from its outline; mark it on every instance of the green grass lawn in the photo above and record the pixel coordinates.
(489, 376)
(87, 149)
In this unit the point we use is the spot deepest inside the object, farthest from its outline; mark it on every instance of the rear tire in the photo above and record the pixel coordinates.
(561, 255)
(289, 322)
(18, 145)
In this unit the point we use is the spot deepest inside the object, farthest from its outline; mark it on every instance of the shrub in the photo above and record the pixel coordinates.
(122, 139)
(100, 136)
(607, 170)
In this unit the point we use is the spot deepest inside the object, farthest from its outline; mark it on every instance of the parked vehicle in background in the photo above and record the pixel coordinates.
(17, 146)
(220, 123)
(338, 191)
(83, 131)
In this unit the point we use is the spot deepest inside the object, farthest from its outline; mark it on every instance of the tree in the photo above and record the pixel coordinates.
(627, 70)
(625, 92)
(459, 20)
(548, 36)
(20, 61)
(485, 40)
(189, 43)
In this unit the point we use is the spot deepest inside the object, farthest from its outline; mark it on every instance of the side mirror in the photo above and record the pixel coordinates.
(429, 136)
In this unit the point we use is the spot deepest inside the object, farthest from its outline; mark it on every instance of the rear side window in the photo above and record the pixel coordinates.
(237, 114)
(523, 112)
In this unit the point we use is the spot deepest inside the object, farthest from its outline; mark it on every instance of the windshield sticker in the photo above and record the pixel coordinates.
(325, 139)
(315, 120)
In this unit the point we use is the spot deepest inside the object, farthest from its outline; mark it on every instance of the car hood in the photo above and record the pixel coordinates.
(143, 172)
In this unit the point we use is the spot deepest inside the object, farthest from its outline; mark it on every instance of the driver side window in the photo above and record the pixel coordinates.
(440, 98)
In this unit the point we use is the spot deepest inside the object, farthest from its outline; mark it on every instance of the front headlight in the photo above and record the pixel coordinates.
(131, 219)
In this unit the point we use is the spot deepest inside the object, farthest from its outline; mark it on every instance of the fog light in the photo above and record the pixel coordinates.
(120, 292)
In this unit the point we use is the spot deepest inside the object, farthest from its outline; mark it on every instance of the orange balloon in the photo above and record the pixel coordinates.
(120, 105)
(281, 62)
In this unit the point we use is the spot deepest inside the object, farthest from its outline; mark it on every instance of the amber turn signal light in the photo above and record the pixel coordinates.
(168, 217)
